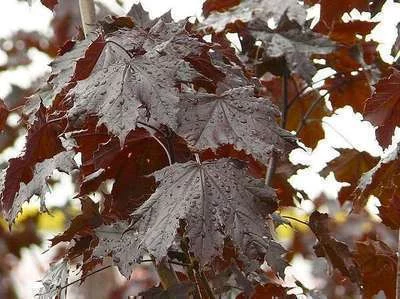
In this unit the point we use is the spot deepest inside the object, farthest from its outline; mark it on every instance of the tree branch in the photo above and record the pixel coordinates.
(284, 108)
(88, 16)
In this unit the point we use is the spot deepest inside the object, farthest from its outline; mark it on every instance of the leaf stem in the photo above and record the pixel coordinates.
(200, 276)
(165, 149)
(167, 275)
(190, 272)
(152, 127)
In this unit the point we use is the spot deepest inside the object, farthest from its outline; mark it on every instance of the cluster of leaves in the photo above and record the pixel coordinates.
(179, 138)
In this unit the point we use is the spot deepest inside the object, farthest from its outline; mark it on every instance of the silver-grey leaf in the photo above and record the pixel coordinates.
(217, 199)
(234, 117)
(63, 67)
(249, 10)
(63, 162)
(124, 88)
(55, 278)
(296, 46)
(109, 93)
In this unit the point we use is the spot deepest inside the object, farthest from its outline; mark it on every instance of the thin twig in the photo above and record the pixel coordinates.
(285, 99)
(295, 219)
(301, 92)
(271, 169)
(285, 94)
(84, 277)
(178, 264)
(309, 111)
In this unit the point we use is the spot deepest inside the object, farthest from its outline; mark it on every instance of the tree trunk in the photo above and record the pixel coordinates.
(88, 16)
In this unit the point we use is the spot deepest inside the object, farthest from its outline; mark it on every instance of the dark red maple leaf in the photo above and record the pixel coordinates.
(304, 112)
(50, 4)
(141, 155)
(349, 167)
(383, 108)
(390, 212)
(347, 89)
(218, 5)
(42, 143)
(3, 114)
(83, 224)
(338, 253)
(378, 264)
(332, 11)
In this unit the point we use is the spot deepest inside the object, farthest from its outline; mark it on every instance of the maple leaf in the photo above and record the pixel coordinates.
(269, 290)
(383, 108)
(82, 224)
(124, 88)
(332, 11)
(3, 114)
(348, 167)
(232, 275)
(218, 200)
(348, 34)
(140, 156)
(217, 5)
(75, 61)
(337, 252)
(295, 44)
(141, 17)
(234, 117)
(54, 279)
(249, 10)
(383, 181)
(349, 90)
(50, 4)
(377, 263)
(63, 162)
(178, 291)
(390, 212)
(42, 142)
